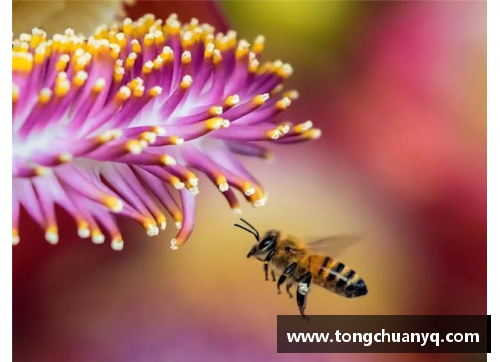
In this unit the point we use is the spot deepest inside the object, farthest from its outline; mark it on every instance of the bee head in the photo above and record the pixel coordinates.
(262, 247)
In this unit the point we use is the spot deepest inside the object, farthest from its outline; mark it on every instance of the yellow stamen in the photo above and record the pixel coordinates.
(113, 203)
(186, 82)
(168, 160)
(258, 44)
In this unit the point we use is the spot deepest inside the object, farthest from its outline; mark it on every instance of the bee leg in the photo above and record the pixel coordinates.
(273, 275)
(266, 264)
(302, 289)
(288, 286)
(288, 271)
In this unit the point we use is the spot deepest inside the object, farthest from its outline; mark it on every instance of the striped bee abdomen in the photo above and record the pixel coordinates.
(336, 276)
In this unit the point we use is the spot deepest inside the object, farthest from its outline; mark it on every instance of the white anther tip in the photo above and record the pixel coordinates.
(98, 239)
(83, 233)
(224, 187)
(117, 244)
(151, 230)
(52, 237)
(250, 191)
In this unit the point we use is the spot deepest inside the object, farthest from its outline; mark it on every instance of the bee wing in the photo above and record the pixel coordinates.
(334, 245)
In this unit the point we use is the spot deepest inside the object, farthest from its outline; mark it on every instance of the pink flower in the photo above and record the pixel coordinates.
(115, 124)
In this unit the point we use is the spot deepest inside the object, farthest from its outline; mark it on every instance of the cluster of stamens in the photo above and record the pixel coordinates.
(116, 123)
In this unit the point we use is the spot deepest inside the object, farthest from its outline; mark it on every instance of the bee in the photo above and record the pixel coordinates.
(303, 263)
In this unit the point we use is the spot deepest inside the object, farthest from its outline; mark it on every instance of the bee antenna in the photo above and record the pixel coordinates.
(250, 231)
(251, 226)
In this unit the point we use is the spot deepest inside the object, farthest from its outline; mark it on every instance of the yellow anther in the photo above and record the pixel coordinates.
(149, 137)
(192, 178)
(273, 134)
(285, 71)
(99, 85)
(175, 140)
(167, 54)
(258, 44)
(134, 147)
(15, 237)
(65, 157)
(233, 100)
(173, 27)
(134, 83)
(248, 188)
(209, 50)
(187, 80)
(283, 129)
(45, 95)
(40, 54)
(214, 123)
(51, 234)
(158, 62)
(15, 92)
(22, 62)
(118, 74)
(155, 91)
(313, 133)
(261, 99)
(130, 61)
(115, 50)
(148, 40)
(302, 127)
(276, 65)
(41, 170)
(283, 103)
(243, 49)
(136, 46)
(138, 91)
(62, 62)
(215, 111)
(159, 130)
(186, 58)
(147, 67)
(167, 160)
(187, 39)
(123, 93)
(62, 87)
(292, 94)
(127, 26)
(80, 78)
(217, 57)
(253, 65)
(221, 182)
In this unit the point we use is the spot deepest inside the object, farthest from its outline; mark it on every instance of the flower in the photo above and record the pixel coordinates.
(103, 125)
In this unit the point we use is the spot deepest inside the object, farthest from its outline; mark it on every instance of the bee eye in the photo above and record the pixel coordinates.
(265, 243)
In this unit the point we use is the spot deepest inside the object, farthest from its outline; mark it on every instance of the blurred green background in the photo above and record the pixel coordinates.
(399, 89)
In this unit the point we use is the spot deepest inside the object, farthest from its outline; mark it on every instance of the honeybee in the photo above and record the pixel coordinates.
(305, 263)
